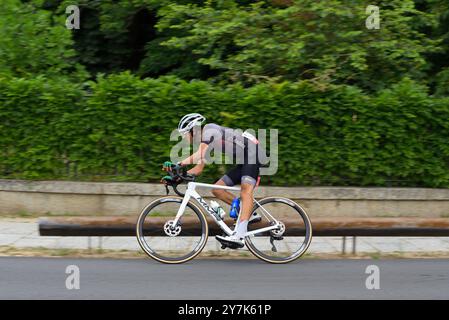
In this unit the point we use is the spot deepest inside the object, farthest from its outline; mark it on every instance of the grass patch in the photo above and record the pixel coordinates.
(25, 214)
(221, 254)
(64, 253)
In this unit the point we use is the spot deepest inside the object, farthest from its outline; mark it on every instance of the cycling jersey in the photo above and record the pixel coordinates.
(239, 146)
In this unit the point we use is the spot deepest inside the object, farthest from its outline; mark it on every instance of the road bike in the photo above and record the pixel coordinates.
(174, 229)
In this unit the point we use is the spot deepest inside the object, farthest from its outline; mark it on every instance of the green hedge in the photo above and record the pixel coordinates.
(118, 128)
(33, 122)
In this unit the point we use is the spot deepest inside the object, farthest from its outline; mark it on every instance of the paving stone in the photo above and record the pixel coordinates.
(25, 234)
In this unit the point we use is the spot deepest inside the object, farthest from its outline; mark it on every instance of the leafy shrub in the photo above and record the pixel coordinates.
(119, 128)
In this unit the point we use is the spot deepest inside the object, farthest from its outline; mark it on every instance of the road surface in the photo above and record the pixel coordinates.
(45, 278)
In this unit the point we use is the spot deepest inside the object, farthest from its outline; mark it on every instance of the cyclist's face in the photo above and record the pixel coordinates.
(188, 136)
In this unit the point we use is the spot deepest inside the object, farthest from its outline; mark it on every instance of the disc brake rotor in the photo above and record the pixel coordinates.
(171, 230)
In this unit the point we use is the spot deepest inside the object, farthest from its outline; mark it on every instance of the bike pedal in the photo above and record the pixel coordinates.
(233, 246)
(230, 245)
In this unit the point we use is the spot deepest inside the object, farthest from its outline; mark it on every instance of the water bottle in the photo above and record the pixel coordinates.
(219, 210)
(235, 208)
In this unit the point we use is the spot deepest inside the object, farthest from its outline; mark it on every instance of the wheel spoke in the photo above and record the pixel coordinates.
(165, 242)
(288, 242)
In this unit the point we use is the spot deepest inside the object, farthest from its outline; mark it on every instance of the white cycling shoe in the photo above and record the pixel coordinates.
(232, 242)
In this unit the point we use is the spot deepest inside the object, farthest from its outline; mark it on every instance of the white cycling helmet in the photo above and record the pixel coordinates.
(189, 121)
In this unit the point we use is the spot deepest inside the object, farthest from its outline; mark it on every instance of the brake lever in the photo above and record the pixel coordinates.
(189, 177)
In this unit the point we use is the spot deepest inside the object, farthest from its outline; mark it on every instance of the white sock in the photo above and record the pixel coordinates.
(241, 229)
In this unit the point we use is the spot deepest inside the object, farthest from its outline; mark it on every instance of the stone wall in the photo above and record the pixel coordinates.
(99, 198)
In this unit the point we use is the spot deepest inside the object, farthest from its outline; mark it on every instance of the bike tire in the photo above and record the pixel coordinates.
(307, 240)
(169, 260)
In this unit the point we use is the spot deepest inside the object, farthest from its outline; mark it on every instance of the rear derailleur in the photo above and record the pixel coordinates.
(276, 234)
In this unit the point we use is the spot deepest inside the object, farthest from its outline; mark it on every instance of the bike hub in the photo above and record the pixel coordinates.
(171, 230)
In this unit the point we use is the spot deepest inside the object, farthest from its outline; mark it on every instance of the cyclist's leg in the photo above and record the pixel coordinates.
(250, 174)
(223, 195)
(232, 177)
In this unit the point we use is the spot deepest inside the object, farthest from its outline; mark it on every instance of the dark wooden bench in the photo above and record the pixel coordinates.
(322, 227)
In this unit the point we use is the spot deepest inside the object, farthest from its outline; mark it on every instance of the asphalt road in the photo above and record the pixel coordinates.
(45, 278)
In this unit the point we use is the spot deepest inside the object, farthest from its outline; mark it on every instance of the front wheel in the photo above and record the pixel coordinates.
(168, 243)
(287, 243)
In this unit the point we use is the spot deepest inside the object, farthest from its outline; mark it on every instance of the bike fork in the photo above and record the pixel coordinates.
(182, 207)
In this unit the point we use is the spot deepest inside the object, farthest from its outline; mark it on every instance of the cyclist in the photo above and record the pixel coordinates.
(241, 147)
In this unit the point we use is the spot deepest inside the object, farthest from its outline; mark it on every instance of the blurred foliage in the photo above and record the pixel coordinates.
(119, 127)
(353, 106)
(34, 42)
(33, 139)
(256, 41)
(325, 41)
(439, 62)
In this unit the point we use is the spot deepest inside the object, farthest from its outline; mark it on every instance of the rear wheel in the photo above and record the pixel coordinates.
(163, 241)
(287, 243)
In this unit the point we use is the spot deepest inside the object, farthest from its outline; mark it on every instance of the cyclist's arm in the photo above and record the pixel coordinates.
(197, 170)
(197, 157)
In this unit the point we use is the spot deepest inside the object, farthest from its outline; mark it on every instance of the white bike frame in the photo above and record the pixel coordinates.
(191, 193)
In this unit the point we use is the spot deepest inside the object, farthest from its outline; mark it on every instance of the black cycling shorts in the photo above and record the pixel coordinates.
(242, 173)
